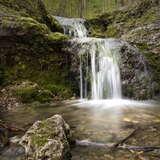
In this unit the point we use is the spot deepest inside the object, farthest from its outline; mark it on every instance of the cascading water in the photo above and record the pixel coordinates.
(98, 62)
(73, 27)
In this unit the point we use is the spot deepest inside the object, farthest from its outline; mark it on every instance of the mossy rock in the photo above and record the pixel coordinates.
(55, 26)
(29, 92)
(56, 37)
(59, 91)
(35, 9)
(48, 138)
(20, 26)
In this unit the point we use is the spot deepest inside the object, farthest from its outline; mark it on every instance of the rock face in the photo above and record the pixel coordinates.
(48, 139)
(147, 39)
(137, 80)
(32, 47)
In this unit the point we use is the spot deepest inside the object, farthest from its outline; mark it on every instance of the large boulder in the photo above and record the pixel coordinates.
(48, 139)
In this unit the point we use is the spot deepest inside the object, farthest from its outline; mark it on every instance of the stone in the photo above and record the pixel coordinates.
(48, 139)
(3, 137)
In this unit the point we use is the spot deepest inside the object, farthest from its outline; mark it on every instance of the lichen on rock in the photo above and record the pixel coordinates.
(48, 139)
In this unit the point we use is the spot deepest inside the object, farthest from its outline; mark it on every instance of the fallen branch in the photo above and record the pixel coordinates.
(86, 143)
(140, 148)
(125, 139)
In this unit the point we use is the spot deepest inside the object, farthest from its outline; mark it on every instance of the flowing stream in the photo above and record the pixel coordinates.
(93, 124)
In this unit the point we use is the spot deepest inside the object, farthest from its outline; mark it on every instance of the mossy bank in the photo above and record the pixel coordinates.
(32, 47)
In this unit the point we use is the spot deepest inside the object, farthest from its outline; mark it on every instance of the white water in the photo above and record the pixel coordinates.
(99, 68)
(73, 27)
(103, 72)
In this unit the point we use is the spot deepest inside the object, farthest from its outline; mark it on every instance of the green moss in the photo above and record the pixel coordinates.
(112, 31)
(55, 24)
(149, 17)
(59, 90)
(34, 50)
(28, 8)
(119, 22)
(37, 139)
(143, 46)
(33, 93)
(23, 25)
(57, 37)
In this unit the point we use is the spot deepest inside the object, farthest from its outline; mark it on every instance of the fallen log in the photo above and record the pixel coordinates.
(87, 143)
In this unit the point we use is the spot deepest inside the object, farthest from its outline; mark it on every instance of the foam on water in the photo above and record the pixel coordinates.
(114, 103)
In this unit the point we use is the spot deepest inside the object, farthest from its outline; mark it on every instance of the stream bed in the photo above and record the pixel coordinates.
(103, 125)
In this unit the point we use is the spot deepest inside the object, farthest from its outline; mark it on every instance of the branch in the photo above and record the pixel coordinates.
(125, 139)
(86, 143)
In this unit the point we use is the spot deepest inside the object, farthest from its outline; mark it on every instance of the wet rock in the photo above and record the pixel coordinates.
(48, 139)
(136, 76)
(13, 152)
(3, 137)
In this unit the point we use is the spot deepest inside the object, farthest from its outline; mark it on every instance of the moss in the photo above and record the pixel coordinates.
(28, 8)
(119, 22)
(55, 24)
(33, 93)
(143, 46)
(112, 31)
(23, 25)
(57, 37)
(33, 49)
(59, 90)
(37, 139)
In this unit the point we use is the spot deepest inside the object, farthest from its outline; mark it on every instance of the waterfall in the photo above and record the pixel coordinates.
(99, 62)
(73, 27)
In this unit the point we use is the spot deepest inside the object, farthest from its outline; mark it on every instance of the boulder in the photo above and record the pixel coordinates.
(48, 139)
